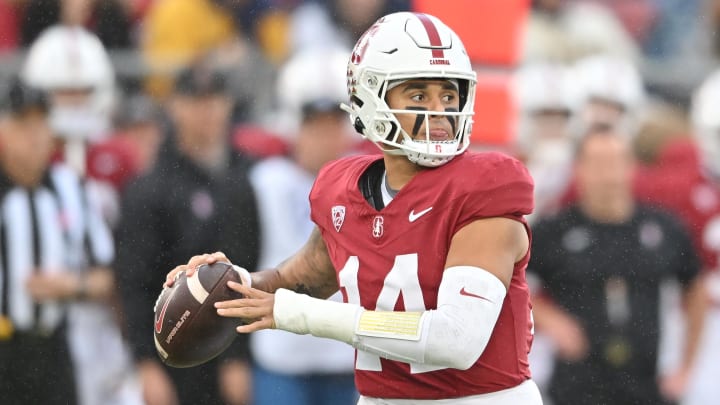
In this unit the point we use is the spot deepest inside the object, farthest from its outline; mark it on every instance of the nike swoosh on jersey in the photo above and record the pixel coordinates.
(469, 294)
(413, 216)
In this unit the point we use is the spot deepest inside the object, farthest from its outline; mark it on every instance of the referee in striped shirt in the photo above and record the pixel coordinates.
(54, 250)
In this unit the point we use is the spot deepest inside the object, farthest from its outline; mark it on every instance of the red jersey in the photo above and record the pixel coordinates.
(393, 259)
(677, 184)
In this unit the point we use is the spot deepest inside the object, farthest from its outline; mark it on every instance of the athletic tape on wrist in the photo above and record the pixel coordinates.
(302, 314)
(391, 324)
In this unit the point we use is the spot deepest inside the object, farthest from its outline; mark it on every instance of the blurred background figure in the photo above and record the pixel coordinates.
(544, 95)
(56, 251)
(129, 152)
(340, 23)
(289, 368)
(168, 43)
(139, 123)
(224, 31)
(563, 31)
(681, 31)
(707, 125)
(609, 91)
(72, 65)
(196, 198)
(601, 262)
(686, 180)
(109, 20)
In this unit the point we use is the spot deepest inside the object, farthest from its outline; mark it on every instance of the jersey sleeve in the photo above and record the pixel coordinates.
(334, 181)
(500, 186)
(327, 176)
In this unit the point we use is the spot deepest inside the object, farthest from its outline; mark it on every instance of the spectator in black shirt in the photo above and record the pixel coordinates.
(601, 262)
(197, 198)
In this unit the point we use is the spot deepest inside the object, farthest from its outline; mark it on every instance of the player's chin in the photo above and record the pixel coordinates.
(433, 136)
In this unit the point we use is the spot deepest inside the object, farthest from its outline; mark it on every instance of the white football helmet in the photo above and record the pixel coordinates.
(542, 86)
(536, 88)
(70, 58)
(403, 46)
(610, 79)
(706, 122)
(316, 75)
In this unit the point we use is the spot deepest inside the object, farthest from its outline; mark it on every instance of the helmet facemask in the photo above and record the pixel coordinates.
(418, 147)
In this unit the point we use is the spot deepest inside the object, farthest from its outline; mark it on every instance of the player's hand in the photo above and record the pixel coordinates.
(191, 267)
(569, 337)
(52, 286)
(235, 382)
(672, 386)
(157, 387)
(255, 308)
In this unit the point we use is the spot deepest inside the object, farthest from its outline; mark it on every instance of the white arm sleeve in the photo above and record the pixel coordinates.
(453, 335)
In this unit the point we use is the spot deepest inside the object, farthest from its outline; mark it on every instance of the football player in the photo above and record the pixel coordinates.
(544, 96)
(687, 181)
(73, 66)
(427, 242)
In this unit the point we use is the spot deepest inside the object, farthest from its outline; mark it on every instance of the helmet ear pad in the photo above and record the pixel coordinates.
(357, 123)
(359, 126)
(393, 129)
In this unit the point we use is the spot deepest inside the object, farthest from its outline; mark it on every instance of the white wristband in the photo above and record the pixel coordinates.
(302, 314)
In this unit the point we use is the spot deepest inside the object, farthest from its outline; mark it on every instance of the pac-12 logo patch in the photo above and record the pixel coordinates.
(338, 216)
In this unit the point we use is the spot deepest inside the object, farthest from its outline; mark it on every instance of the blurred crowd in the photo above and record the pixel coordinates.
(199, 125)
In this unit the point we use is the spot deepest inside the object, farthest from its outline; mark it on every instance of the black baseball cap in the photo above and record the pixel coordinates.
(21, 97)
(200, 80)
(320, 106)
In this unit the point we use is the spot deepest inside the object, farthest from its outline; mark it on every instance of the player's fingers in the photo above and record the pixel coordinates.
(195, 262)
(265, 323)
(230, 303)
(248, 292)
(244, 303)
(238, 303)
(243, 312)
(170, 278)
(218, 257)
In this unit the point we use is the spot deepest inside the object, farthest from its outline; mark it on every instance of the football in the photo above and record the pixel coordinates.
(188, 330)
